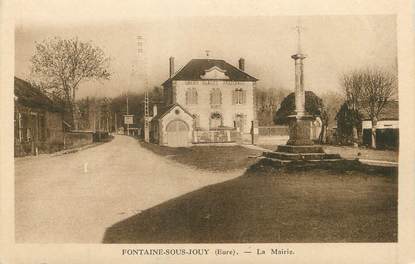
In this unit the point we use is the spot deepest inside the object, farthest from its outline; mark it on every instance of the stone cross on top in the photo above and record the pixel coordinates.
(299, 28)
(299, 76)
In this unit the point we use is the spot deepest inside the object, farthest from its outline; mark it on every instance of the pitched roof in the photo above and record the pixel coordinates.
(197, 67)
(30, 96)
(162, 111)
(389, 112)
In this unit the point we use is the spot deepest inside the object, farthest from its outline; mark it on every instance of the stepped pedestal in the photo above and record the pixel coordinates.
(300, 147)
(289, 153)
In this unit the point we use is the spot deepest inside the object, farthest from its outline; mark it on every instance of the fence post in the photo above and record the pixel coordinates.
(254, 132)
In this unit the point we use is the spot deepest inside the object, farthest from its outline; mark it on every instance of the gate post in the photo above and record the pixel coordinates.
(254, 132)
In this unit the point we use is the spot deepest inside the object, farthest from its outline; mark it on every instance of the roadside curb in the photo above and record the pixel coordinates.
(74, 150)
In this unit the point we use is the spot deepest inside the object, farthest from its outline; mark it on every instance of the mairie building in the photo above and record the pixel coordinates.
(206, 101)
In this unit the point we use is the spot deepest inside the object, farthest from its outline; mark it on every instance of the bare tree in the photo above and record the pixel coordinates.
(331, 105)
(60, 65)
(353, 89)
(267, 102)
(378, 89)
(368, 91)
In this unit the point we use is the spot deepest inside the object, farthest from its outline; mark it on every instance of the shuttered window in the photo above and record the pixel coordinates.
(191, 96)
(239, 96)
(215, 97)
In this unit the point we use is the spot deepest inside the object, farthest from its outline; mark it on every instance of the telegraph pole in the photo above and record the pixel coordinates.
(146, 118)
(128, 125)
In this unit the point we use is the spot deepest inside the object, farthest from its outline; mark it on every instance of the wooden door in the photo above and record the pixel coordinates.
(177, 134)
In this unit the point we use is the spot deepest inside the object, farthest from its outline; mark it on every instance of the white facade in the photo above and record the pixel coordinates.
(218, 97)
(381, 124)
(173, 128)
(233, 112)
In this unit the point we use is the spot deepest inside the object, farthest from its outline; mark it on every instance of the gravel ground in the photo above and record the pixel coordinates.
(75, 197)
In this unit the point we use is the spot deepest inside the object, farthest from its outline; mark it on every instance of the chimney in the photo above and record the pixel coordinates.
(242, 64)
(154, 110)
(171, 66)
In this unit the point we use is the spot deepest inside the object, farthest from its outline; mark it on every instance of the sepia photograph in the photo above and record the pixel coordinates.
(214, 131)
(273, 129)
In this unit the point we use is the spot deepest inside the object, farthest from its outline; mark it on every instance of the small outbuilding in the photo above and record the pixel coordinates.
(172, 126)
(387, 128)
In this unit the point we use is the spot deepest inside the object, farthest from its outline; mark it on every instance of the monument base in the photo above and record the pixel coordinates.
(300, 130)
(300, 147)
(289, 153)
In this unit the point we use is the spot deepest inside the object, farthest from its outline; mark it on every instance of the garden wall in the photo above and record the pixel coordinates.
(78, 139)
(272, 135)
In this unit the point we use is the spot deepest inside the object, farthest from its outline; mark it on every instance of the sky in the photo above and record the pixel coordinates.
(333, 45)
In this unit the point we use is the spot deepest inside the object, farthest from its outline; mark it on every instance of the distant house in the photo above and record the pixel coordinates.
(387, 129)
(38, 121)
(208, 100)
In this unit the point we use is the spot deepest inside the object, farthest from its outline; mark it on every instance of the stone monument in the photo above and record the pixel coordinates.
(300, 146)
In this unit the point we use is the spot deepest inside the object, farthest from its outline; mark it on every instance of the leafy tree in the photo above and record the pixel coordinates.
(135, 107)
(313, 105)
(61, 65)
(347, 120)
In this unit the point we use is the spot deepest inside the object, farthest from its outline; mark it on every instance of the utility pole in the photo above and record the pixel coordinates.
(128, 125)
(146, 118)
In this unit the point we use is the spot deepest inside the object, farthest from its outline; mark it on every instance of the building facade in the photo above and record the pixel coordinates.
(387, 128)
(218, 95)
(38, 121)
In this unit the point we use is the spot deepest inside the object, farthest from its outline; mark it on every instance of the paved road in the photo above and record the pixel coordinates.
(75, 197)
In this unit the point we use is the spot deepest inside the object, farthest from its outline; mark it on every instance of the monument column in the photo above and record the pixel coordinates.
(300, 123)
(300, 146)
(299, 84)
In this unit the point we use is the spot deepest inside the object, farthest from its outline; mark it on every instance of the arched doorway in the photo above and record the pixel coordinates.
(240, 122)
(215, 120)
(177, 134)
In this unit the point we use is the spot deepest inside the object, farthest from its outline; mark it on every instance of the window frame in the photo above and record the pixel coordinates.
(191, 96)
(239, 96)
(215, 95)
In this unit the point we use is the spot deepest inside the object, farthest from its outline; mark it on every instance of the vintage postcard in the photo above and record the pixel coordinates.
(207, 131)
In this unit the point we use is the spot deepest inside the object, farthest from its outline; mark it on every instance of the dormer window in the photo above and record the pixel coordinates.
(215, 73)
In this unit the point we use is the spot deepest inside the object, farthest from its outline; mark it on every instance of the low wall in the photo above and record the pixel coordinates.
(273, 131)
(216, 136)
(101, 136)
(272, 135)
(78, 139)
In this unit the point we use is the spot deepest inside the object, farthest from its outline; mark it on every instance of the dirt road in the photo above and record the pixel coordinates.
(73, 198)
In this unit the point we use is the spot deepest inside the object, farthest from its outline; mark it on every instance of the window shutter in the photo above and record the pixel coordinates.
(244, 96)
(233, 97)
(219, 97)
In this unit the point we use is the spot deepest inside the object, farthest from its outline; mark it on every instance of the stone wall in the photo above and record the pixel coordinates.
(78, 139)
(216, 136)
